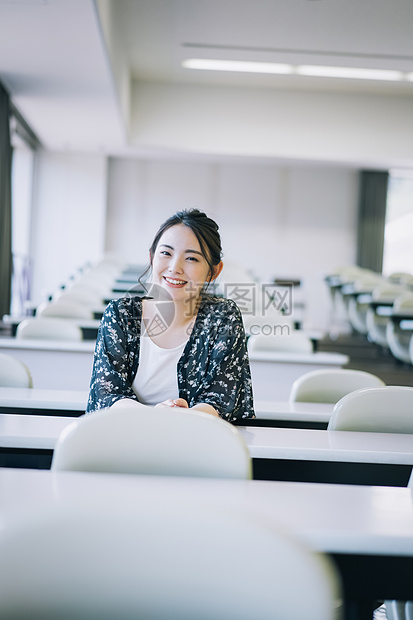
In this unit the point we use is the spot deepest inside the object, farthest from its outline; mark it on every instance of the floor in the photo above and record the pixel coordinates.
(365, 355)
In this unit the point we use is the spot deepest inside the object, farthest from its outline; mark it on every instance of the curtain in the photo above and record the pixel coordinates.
(5, 203)
(372, 219)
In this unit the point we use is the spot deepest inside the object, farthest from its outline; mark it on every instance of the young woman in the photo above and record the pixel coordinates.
(176, 346)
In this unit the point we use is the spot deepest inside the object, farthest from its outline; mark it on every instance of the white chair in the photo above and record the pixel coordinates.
(272, 323)
(377, 324)
(133, 438)
(330, 385)
(160, 559)
(48, 328)
(387, 409)
(398, 339)
(13, 373)
(292, 342)
(356, 305)
(64, 310)
(80, 294)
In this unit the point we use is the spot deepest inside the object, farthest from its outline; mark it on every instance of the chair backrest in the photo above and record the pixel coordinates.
(133, 438)
(329, 385)
(158, 560)
(48, 328)
(387, 409)
(290, 342)
(64, 310)
(13, 373)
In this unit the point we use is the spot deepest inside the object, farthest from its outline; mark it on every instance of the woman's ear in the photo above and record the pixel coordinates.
(216, 271)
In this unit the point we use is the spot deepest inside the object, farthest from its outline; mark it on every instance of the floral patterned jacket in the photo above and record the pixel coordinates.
(214, 366)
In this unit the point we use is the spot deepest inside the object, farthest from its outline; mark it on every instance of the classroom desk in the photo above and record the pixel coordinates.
(273, 373)
(277, 453)
(368, 531)
(73, 403)
(54, 364)
(27, 401)
(330, 456)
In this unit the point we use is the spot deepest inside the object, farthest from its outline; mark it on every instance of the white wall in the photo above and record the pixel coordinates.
(367, 129)
(68, 217)
(277, 220)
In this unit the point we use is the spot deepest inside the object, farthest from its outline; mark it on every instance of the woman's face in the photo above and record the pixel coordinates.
(178, 263)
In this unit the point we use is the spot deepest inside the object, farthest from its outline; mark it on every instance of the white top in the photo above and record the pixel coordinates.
(156, 379)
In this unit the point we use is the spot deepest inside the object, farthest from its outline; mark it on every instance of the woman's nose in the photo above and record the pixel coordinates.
(176, 265)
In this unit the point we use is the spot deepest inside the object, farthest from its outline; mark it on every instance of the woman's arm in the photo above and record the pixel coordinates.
(218, 365)
(113, 359)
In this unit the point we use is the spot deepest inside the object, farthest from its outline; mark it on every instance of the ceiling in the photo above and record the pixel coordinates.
(70, 65)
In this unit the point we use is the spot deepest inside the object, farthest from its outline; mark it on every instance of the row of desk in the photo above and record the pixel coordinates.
(31, 421)
(68, 365)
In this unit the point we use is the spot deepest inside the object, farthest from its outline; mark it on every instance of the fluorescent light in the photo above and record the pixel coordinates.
(209, 64)
(350, 73)
(237, 65)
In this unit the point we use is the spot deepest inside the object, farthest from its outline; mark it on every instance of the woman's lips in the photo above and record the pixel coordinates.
(174, 282)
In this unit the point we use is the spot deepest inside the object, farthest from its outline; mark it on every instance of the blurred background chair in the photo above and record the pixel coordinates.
(13, 373)
(387, 409)
(329, 385)
(48, 328)
(398, 339)
(64, 309)
(133, 438)
(160, 559)
(376, 323)
(292, 342)
(357, 301)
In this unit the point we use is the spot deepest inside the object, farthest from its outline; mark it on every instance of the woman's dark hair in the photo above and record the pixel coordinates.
(203, 227)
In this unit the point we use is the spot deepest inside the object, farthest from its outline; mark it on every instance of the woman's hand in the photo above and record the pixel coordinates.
(181, 402)
(174, 402)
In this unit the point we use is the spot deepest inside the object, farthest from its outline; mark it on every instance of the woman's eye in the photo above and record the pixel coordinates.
(192, 258)
(165, 252)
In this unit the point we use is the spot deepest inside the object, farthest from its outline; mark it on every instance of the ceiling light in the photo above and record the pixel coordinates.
(357, 73)
(237, 65)
(349, 73)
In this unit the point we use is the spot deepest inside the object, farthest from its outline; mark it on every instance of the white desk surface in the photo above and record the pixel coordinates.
(321, 445)
(35, 398)
(331, 518)
(83, 346)
(31, 431)
(289, 411)
(324, 358)
(42, 432)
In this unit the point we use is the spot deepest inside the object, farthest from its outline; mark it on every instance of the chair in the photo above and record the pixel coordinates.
(48, 328)
(64, 310)
(376, 323)
(160, 559)
(399, 340)
(13, 373)
(292, 342)
(357, 306)
(329, 385)
(133, 438)
(386, 409)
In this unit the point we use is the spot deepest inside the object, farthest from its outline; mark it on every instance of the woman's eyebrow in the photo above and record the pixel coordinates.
(165, 245)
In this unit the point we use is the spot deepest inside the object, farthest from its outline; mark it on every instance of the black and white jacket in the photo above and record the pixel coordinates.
(213, 368)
